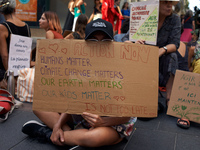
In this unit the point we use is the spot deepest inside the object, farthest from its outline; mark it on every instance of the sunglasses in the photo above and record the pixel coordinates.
(104, 40)
(4, 4)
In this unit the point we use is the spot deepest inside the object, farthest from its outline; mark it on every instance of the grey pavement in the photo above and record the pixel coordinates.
(160, 133)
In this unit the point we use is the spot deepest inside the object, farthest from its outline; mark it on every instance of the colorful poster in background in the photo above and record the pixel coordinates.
(144, 21)
(26, 10)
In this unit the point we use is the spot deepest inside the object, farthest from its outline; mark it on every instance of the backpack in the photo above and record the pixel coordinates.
(6, 104)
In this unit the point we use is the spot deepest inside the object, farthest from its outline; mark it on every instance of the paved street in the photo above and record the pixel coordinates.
(160, 133)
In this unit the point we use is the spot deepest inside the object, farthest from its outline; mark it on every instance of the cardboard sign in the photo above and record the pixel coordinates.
(104, 78)
(19, 53)
(144, 21)
(185, 96)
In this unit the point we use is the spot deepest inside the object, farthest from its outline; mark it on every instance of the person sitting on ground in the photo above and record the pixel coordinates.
(80, 28)
(96, 130)
(194, 52)
(168, 40)
(124, 30)
(12, 25)
(191, 47)
(50, 22)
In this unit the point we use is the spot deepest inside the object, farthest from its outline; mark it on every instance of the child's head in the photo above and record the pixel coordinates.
(195, 34)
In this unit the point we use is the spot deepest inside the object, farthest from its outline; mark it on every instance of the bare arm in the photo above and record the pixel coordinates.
(79, 3)
(193, 25)
(49, 35)
(170, 49)
(190, 55)
(69, 36)
(57, 136)
(3, 46)
(91, 17)
(183, 21)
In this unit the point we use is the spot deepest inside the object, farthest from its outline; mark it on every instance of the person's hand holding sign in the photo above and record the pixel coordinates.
(94, 120)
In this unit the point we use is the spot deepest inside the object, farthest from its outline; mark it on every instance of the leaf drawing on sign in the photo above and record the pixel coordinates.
(184, 113)
(53, 47)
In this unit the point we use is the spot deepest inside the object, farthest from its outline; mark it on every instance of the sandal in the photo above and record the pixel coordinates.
(162, 89)
(183, 123)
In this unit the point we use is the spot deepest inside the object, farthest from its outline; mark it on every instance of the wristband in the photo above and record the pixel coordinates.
(165, 48)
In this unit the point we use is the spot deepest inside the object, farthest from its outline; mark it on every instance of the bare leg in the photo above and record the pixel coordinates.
(50, 119)
(93, 137)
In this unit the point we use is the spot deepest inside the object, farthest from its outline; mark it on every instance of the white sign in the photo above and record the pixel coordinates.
(19, 53)
(144, 21)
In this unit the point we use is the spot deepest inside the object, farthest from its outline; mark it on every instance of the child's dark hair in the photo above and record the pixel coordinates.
(125, 26)
(6, 10)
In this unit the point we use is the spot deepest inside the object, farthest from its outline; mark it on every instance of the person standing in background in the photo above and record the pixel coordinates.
(189, 25)
(80, 28)
(125, 11)
(96, 12)
(79, 8)
(70, 16)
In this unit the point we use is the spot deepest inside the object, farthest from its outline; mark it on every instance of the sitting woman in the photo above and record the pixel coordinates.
(50, 22)
(191, 47)
(80, 28)
(12, 25)
(168, 41)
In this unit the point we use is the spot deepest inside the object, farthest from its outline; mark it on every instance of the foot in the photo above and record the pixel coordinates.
(37, 130)
(183, 123)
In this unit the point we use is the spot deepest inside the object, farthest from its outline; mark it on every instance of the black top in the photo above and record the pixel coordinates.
(96, 10)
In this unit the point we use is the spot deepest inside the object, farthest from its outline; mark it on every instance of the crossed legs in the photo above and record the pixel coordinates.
(93, 137)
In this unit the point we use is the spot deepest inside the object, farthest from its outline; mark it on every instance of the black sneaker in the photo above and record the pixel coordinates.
(37, 130)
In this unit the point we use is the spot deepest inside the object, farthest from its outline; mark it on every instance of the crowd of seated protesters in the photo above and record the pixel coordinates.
(173, 55)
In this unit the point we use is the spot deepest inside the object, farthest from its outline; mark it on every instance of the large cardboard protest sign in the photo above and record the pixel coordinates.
(185, 97)
(144, 21)
(19, 53)
(104, 78)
